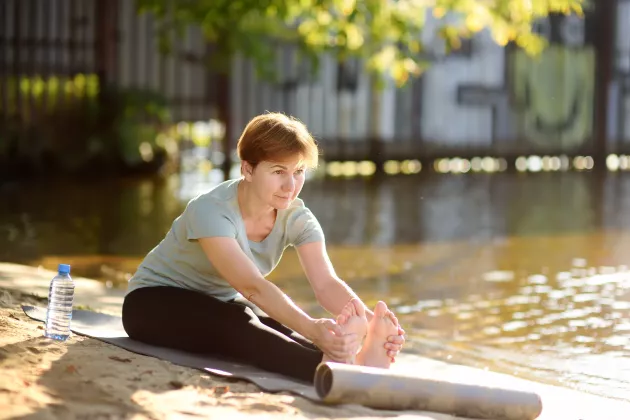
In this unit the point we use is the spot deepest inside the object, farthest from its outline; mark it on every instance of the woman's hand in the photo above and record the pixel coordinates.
(327, 335)
(395, 343)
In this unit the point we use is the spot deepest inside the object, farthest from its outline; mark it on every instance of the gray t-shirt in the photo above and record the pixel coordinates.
(178, 260)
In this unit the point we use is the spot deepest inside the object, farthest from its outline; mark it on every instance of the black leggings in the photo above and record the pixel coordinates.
(192, 321)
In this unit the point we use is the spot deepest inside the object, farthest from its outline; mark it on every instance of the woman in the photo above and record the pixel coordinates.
(203, 288)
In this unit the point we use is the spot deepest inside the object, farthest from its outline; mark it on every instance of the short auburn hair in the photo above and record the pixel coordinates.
(276, 137)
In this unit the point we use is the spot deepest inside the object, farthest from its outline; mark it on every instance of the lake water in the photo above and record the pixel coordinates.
(519, 273)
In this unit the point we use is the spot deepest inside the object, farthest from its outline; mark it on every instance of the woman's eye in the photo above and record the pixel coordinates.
(299, 171)
(279, 172)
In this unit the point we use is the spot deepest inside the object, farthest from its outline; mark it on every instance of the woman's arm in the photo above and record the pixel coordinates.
(233, 265)
(331, 292)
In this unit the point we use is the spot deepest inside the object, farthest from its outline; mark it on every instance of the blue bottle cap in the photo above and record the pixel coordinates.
(64, 269)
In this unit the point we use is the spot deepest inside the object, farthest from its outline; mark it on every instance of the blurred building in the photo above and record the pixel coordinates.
(483, 100)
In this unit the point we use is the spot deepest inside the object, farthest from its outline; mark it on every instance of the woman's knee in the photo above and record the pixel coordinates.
(130, 319)
(138, 315)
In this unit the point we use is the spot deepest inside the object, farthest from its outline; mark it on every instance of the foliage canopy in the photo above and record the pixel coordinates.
(386, 34)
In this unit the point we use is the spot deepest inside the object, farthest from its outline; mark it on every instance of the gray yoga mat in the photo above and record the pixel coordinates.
(334, 383)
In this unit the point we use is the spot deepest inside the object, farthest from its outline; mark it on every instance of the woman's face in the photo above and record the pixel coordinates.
(276, 184)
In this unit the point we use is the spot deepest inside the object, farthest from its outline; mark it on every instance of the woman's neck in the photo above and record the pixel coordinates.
(250, 206)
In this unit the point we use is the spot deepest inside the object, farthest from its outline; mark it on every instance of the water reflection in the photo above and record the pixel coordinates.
(522, 273)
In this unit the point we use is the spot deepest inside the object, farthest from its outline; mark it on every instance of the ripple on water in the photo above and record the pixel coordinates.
(618, 341)
(622, 327)
(586, 297)
(537, 279)
(514, 325)
(624, 306)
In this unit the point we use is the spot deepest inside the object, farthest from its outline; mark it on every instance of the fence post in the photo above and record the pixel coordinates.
(223, 107)
(375, 140)
(106, 41)
(604, 47)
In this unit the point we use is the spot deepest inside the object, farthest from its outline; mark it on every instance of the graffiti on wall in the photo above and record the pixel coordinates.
(553, 94)
(546, 101)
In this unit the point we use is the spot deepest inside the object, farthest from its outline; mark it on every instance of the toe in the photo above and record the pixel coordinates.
(359, 309)
(380, 310)
(352, 307)
(392, 317)
(345, 314)
(342, 318)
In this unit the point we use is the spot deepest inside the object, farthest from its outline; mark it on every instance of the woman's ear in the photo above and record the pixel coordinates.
(247, 170)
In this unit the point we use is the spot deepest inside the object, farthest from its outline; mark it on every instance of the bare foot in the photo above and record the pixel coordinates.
(382, 325)
(352, 319)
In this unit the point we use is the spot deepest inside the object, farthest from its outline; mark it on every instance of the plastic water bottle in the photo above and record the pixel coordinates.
(60, 299)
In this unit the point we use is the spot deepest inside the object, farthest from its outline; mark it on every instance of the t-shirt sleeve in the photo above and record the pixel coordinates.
(207, 218)
(304, 228)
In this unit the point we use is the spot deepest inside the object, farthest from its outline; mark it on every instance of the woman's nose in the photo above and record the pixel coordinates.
(289, 184)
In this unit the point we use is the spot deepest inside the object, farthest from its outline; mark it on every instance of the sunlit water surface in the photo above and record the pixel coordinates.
(524, 274)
